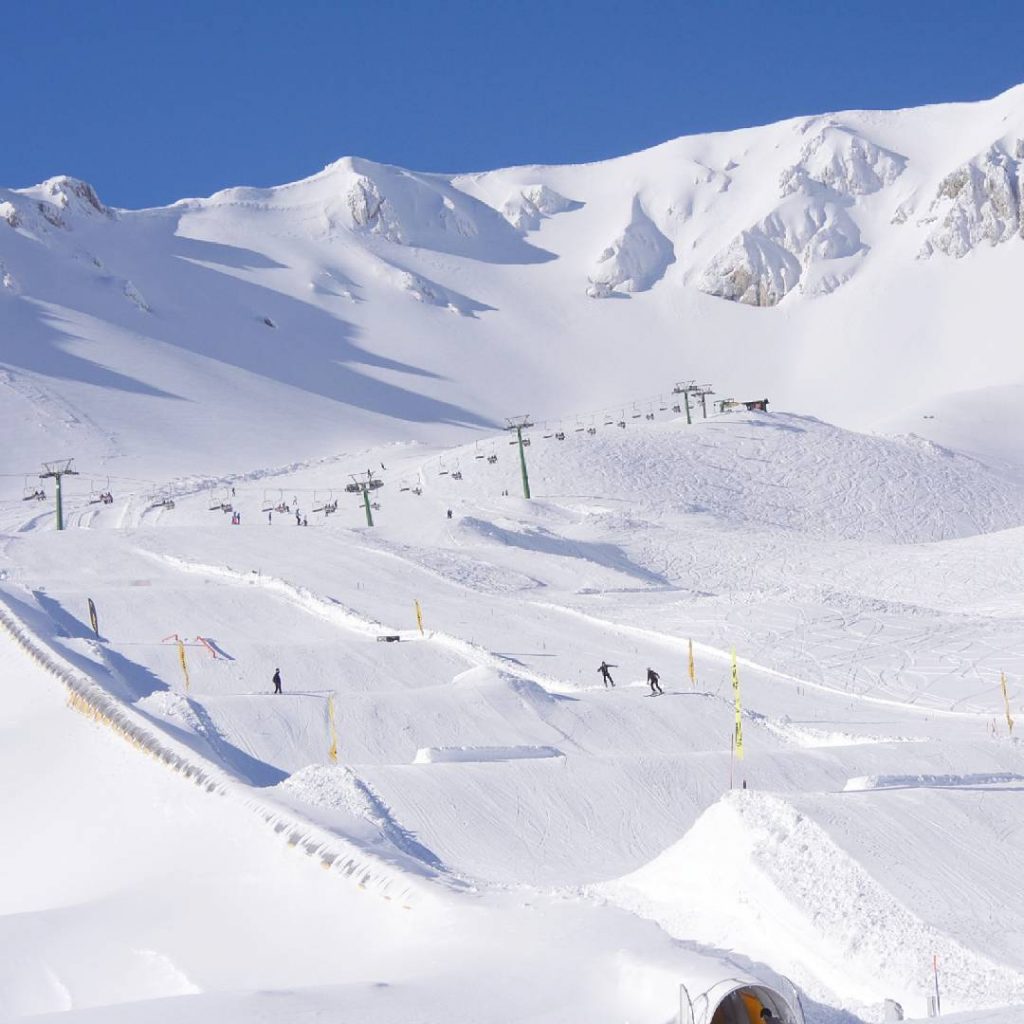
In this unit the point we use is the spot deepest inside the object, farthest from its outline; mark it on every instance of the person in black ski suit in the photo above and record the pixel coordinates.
(277, 680)
(652, 678)
(605, 674)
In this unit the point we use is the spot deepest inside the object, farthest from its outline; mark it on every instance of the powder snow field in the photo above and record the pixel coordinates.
(464, 824)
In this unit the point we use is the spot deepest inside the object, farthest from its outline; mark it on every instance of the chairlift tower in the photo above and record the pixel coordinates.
(702, 391)
(685, 388)
(519, 424)
(364, 483)
(57, 471)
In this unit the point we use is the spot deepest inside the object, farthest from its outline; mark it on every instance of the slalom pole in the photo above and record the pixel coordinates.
(332, 750)
(935, 972)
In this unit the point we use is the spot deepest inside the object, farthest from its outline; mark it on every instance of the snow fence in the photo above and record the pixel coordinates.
(400, 880)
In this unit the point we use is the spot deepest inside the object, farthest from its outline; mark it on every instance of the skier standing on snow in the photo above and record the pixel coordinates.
(605, 674)
(652, 678)
(277, 680)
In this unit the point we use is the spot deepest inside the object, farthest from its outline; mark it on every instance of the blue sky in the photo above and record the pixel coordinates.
(155, 101)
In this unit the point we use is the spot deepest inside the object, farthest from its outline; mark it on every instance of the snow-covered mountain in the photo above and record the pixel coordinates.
(446, 815)
(369, 302)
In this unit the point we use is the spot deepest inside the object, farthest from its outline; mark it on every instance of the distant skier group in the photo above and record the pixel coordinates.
(652, 678)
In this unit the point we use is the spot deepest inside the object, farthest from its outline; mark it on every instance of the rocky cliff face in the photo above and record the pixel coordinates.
(808, 240)
(978, 203)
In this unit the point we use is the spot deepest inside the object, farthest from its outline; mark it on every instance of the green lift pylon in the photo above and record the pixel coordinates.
(519, 424)
(57, 471)
(364, 483)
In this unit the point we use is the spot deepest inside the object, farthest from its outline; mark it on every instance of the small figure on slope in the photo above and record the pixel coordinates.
(605, 674)
(277, 680)
(652, 678)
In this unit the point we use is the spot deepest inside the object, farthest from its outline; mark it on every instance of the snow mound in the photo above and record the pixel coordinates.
(448, 755)
(978, 202)
(785, 890)
(533, 203)
(636, 260)
(765, 263)
(754, 468)
(844, 162)
(339, 788)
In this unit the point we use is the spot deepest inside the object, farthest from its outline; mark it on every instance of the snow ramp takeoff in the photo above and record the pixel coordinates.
(756, 875)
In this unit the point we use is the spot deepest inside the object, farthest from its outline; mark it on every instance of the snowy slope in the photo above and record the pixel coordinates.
(464, 823)
(370, 303)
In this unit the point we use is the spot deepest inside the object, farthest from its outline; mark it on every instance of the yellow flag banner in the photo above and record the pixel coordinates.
(1006, 701)
(332, 751)
(693, 668)
(419, 617)
(184, 664)
(736, 697)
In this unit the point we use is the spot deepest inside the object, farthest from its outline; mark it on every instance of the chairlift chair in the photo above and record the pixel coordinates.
(492, 459)
(560, 436)
(321, 504)
(579, 428)
(35, 493)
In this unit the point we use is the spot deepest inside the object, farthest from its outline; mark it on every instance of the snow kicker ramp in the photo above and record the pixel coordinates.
(756, 874)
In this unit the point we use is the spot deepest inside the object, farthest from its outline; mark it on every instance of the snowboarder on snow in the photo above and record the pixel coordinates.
(606, 676)
(277, 680)
(652, 678)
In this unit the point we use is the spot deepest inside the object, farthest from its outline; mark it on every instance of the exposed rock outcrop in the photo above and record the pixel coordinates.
(811, 228)
(635, 261)
(978, 203)
(530, 205)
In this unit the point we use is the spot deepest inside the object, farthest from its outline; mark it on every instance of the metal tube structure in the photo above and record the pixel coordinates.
(522, 463)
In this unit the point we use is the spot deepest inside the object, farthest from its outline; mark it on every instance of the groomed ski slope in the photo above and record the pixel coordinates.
(871, 603)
